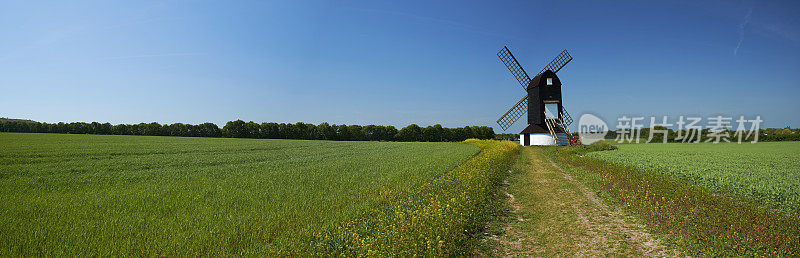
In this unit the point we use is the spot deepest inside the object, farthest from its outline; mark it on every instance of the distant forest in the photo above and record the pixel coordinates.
(242, 129)
(3, 119)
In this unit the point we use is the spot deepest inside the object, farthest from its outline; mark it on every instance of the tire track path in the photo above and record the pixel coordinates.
(555, 215)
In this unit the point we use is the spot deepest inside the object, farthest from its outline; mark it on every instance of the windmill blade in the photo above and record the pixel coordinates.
(559, 62)
(565, 116)
(513, 114)
(513, 66)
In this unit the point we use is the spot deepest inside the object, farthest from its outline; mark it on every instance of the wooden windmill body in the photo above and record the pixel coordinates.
(548, 121)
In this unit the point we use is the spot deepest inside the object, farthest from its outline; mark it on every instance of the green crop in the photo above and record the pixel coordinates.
(439, 220)
(688, 192)
(767, 172)
(152, 196)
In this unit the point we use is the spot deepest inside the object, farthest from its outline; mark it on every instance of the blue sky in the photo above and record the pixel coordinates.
(393, 63)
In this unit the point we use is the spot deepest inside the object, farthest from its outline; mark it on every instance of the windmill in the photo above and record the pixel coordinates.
(548, 121)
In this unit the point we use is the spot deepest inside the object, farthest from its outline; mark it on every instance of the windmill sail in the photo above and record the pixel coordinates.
(565, 115)
(513, 66)
(521, 108)
(513, 114)
(559, 62)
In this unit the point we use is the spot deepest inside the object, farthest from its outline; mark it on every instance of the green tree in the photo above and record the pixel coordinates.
(343, 133)
(356, 133)
(325, 132)
(410, 133)
(234, 129)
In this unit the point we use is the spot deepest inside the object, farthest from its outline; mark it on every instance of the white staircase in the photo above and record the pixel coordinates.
(562, 139)
(562, 136)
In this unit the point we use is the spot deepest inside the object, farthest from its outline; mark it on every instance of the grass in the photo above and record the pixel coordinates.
(444, 218)
(543, 195)
(766, 172)
(144, 196)
(699, 220)
(552, 215)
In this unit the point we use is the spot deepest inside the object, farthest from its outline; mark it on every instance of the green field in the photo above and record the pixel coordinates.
(140, 195)
(766, 172)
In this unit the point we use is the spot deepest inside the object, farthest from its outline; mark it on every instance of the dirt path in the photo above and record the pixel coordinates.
(555, 215)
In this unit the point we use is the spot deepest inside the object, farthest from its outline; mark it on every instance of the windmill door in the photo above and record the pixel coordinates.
(551, 110)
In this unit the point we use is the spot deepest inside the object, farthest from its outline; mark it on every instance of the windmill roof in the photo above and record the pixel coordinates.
(535, 80)
(532, 128)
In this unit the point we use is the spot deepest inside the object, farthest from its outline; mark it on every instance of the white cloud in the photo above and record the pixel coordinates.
(741, 30)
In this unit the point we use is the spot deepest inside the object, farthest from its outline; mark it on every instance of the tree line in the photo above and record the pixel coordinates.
(242, 129)
(325, 131)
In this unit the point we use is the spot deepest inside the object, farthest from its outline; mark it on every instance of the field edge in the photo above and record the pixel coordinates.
(699, 221)
(445, 217)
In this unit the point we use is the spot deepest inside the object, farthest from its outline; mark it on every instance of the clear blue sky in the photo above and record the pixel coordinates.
(368, 62)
